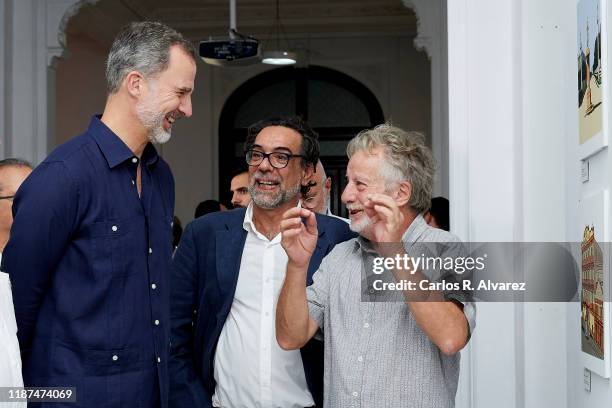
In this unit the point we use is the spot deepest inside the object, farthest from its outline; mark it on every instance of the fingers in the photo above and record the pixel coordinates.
(381, 199)
(386, 214)
(291, 233)
(296, 212)
(292, 219)
(290, 223)
(311, 223)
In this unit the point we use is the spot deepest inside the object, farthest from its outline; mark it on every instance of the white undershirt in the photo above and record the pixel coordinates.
(251, 370)
(10, 358)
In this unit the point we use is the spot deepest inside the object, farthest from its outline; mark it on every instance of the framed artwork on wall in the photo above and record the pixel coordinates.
(592, 77)
(595, 283)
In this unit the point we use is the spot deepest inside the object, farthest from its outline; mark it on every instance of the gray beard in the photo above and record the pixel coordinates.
(270, 203)
(360, 225)
(154, 123)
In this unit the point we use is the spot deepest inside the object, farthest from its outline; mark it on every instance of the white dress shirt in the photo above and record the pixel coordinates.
(251, 370)
(10, 358)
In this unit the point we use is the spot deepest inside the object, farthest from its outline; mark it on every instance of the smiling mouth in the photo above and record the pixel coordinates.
(170, 119)
(355, 211)
(266, 185)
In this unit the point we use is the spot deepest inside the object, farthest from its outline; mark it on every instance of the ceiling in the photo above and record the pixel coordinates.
(200, 19)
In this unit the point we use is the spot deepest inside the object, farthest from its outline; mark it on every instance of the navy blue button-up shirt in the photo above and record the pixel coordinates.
(89, 264)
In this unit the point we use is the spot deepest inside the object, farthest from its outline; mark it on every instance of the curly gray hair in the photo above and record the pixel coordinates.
(407, 158)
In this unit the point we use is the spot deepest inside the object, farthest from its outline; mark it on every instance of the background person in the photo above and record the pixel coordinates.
(207, 207)
(316, 193)
(239, 187)
(438, 214)
(12, 173)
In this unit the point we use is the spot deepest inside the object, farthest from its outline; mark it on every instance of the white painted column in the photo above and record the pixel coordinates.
(33, 36)
(431, 38)
(510, 63)
(4, 30)
(484, 180)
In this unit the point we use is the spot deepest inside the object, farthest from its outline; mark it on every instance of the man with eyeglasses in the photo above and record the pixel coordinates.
(227, 274)
(12, 173)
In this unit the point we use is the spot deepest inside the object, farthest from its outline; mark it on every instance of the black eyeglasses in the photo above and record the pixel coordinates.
(7, 197)
(277, 160)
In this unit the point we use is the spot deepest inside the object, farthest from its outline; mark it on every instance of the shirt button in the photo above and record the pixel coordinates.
(360, 359)
(153, 286)
(158, 359)
(150, 250)
(156, 322)
(366, 325)
(355, 393)
(371, 290)
(115, 358)
(134, 160)
(114, 228)
(133, 182)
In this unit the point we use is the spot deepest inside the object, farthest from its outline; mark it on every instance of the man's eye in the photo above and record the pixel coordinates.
(282, 157)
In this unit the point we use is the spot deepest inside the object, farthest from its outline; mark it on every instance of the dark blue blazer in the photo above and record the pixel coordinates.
(203, 282)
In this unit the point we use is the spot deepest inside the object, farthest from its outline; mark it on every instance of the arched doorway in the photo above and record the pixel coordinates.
(336, 105)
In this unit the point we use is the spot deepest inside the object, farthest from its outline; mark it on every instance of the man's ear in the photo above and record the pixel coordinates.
(328, 183)
(404, 192)
(134, 83)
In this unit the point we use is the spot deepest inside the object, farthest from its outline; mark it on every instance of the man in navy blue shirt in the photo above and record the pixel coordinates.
(90, 248)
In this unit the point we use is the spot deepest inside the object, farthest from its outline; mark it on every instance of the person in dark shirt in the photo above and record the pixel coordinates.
(437, 216)
(90, 249)
(207, 207)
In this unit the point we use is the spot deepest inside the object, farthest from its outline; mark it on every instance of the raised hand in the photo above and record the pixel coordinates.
(387, 219)
(299, 240)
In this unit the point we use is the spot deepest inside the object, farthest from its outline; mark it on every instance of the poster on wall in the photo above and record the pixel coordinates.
(592, 79)
(594, 276)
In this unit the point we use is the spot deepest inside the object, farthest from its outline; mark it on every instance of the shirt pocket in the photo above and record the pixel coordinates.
(109, 245)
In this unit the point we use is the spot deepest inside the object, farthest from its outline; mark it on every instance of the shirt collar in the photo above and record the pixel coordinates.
(115, 151)
(410, 236)
(249, 225)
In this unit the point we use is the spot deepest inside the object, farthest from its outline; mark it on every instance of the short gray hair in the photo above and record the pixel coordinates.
(407, 158)
(144, 47)
(14, 162)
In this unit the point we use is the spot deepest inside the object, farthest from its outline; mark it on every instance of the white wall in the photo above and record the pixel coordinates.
(512, 91)
(483, 124)
(600, 178)
(390, 67)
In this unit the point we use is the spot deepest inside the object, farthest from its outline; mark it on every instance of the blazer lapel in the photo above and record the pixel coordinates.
(229, 246)
(319, 253)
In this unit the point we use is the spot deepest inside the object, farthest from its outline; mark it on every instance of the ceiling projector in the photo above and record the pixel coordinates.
(230, 51)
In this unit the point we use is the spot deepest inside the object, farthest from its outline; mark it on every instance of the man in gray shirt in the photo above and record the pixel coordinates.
(379, 353)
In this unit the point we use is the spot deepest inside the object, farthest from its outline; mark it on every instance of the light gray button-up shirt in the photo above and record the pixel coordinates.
(375, 353)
